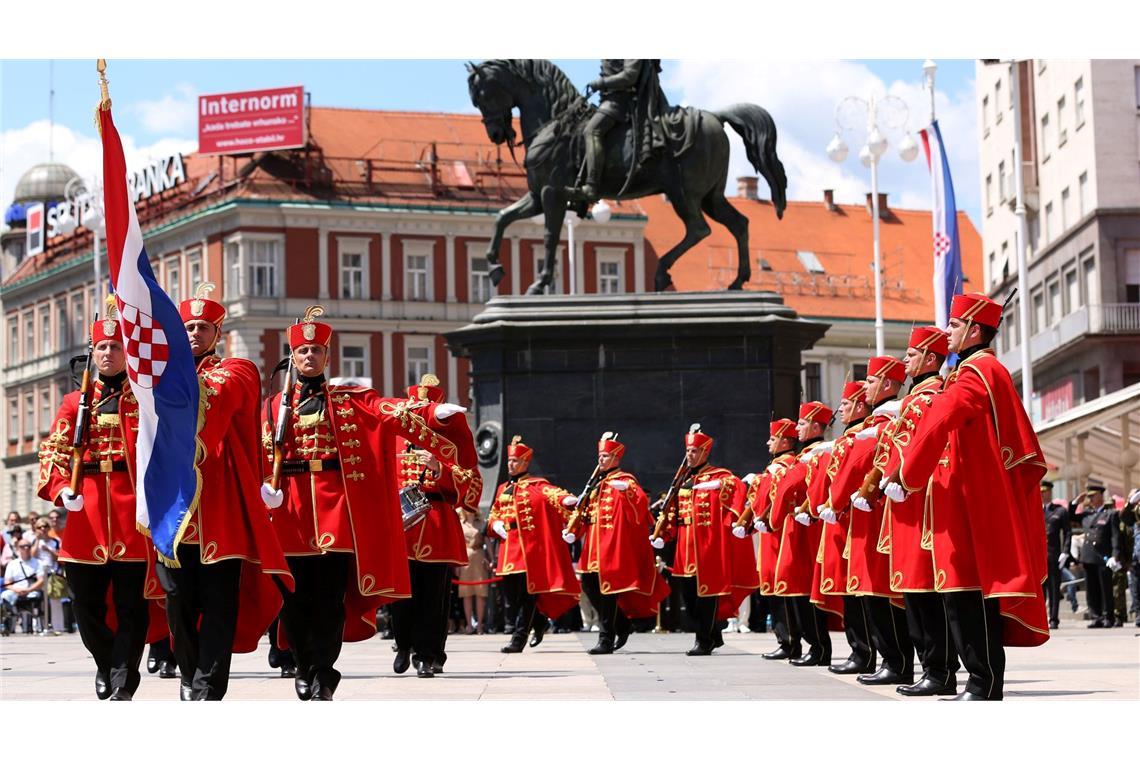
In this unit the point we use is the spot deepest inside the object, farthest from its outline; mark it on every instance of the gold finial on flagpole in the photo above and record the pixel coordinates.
(105, 94)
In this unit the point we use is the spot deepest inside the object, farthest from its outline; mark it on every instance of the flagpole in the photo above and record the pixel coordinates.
(1020, 244)
(929, 68)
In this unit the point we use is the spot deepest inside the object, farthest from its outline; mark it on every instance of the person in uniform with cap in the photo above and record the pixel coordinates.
(758, 501)
(221, 596)
(844, 465)
(1058, 533)
(799, 543)
(435, 543)
(335, 506)
(976, 444)
(101, 548)
(1100, 554)
(618, 567)
(528, 515)
(715, 571)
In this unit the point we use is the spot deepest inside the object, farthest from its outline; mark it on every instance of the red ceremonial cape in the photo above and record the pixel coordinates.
(795, 564)
(759, 500)
(987, 524)
(868, 568)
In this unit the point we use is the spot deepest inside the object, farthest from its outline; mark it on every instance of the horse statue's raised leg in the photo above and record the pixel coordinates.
(524, 208)
(554, 203)
(718, 207)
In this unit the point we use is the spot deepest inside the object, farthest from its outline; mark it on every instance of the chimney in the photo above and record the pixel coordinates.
(746, 188)
(884, 209)
(829, 200)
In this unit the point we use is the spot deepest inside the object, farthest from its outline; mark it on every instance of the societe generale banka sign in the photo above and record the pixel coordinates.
(252, 121)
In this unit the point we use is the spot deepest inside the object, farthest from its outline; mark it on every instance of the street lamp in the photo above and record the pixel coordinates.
(600, 212)
(850, 114)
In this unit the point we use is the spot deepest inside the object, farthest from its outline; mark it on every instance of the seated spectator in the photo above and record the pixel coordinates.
(45, 550)
(22, 577)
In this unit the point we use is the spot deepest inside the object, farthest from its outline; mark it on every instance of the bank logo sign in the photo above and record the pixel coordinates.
(252, 121)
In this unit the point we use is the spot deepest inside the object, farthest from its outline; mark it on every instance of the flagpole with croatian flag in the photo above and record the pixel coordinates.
(160, 365)
(947, 280)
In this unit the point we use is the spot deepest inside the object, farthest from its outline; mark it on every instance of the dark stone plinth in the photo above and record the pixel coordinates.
(561, 370)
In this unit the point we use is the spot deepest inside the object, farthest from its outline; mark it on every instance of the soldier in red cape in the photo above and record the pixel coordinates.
(619, 569)
(435, 544)
(841, 471)
(715, 571)
(868, 567)
(906, 528)
(758, 501)
(220, 597)
(104, 556)
(976, 441)
(799, 543)
(335, 511)
(538, 579)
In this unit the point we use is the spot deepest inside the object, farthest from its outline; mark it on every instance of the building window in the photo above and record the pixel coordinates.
(1001, 181)
(45, 331)
(1066, 211)
(351, 275)
(1004, 261)
(997, 102)
(1045, 137)
(810, 262)
(79, 319)
(1079, 103)
(1049, 230)
(353, 360)
(989, 194)
(1009, 324)
(252, 267)
(13, 341)
(858, 372)
(416, 276)
(29, 415)
(193, 270)
(1083, 193)
(262, 267)
(1054, 289)
(1090, 285)
(233, 289)
(479, 287)
(29, 492)
(611, 274)
(1072, 290)
(13, 491)
(992, 259)
(417, 360)
(13, 419)
(985, 115)
(45, 410)
(29, 337)
(1132, 276)
(174, 280)
(63, 324)
(1062, 132)
(813, 381)
(1038, 312)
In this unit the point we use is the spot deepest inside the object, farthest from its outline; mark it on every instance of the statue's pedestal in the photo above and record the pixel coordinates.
(561, 370)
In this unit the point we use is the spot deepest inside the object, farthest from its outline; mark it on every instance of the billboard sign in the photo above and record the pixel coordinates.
(35, 232)
(256, 120)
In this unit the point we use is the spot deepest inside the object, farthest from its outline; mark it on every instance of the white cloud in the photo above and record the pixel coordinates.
(173, 113)
(801, 97)
(24, 147)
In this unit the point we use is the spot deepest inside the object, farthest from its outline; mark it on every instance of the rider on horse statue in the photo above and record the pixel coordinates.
(630, 91)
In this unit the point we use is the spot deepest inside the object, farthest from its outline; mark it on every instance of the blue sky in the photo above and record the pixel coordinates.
(155, 107)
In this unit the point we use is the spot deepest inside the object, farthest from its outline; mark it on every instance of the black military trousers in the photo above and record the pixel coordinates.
(785, 625)
(975, 625)
(117, 653)
(702, 609)
(857, 627)
(930, 632)
(1098, 592)
(524, 607)
(202, 610)
(890, 635)
(612, 622)
(812, 622)
(1052, 588)
(313, 615)
(420, 623)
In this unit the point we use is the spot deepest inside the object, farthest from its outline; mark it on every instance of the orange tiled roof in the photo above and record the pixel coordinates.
(841, 241)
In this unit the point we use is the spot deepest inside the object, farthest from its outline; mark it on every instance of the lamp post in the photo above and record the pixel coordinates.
(600, 213)
(850, 114)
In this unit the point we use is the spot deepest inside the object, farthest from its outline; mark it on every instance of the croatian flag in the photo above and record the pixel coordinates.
(160, 365)
(947, 251)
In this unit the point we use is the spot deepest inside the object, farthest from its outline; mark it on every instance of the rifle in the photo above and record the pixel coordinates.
(82, 421)
(671, 494)
(284, 413)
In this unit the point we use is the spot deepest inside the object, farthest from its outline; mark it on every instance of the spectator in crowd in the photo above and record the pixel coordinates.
(57, 518)
(13, 532)
(22, 579)
(45, 549)
(1131, 519)
(473, 576)
(1058, 531)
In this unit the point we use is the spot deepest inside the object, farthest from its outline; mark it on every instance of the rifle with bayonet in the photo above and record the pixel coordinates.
(82, 420)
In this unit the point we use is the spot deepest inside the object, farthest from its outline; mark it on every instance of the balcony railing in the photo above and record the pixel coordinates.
(1094, 319)
(1115, 318)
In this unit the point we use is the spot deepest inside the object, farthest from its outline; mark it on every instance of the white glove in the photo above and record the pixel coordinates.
(1063, 561)
(860, 503)
(1113, 564)
(72, 502)
(499, 528)
(570, 501)
(270, 497)
(895, 492)
(568, 537)
(657, 543)
(803, 518)
(827, 514)
(760, 525)
(747, 479)
(739, 531)
(883, 482)
(443, 411)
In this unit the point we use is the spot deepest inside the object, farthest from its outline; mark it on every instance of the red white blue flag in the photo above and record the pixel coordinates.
(160, 365)
(947, 251)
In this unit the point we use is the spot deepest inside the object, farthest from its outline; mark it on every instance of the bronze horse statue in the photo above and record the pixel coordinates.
(551, 108)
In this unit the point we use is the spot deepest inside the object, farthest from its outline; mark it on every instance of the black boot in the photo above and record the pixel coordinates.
(423, 669)
(604, 646)
(929, 688)
(402, 661)
(102, 685)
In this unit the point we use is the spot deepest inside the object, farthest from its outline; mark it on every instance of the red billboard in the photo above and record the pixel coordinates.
(257, 120)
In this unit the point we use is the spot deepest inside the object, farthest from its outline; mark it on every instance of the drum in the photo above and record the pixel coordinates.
(414, 505)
